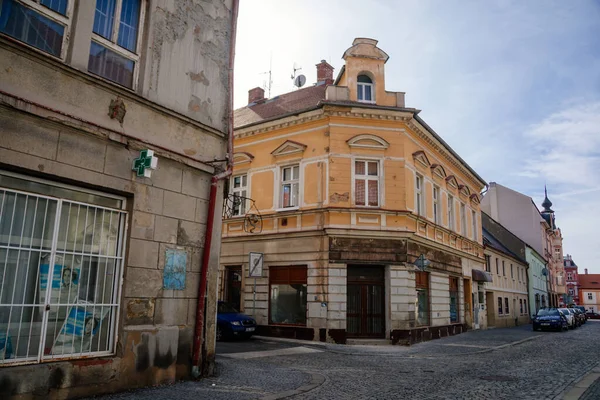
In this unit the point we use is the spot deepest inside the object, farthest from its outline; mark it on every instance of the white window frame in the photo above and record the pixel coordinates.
(111, 43)
(240, 191)
(463, 219)
(590, 296)
(294, 183)
(360, 90)
(420, 195)
(65, 20)
(114, 305)
(436, 205)
(451, 217)
(474, 218)
(569, 276)
(367, 178)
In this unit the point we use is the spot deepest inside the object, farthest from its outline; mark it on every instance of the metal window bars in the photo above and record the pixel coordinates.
(60, 277)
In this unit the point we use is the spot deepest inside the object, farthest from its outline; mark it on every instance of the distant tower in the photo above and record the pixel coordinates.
(548, 213)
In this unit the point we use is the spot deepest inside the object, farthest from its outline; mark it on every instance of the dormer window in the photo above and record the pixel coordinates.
(365, 89)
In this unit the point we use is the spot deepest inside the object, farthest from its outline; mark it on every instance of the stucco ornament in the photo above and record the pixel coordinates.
(117, 110)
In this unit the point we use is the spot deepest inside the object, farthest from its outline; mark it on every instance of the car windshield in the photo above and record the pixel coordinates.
(553, 312)
(565, 310)
(225, 308)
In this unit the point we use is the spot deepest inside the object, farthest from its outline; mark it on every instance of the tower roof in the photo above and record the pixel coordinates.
(547, 203)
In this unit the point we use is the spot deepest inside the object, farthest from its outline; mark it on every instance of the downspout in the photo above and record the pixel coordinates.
(199, 329)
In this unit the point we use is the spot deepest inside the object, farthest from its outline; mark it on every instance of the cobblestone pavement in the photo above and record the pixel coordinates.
(513, 363)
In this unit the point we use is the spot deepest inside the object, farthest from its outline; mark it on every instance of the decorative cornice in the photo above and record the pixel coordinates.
(242, 157)
(451, 181)
(289, 147)
(420, 157)
(475, 198)
(464, 189)
(423, 134)
(438, 170)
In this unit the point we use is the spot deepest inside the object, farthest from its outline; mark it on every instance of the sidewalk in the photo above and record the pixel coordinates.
(587, 388)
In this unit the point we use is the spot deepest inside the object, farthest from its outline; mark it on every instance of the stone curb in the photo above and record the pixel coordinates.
(328, 348)
(315, 381)
(578, 387)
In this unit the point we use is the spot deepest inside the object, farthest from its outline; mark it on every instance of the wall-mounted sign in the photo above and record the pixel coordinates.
(145, 164)
(175, 267)
(256, 265)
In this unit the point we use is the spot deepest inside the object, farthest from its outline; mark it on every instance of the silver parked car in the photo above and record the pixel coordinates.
(570, 315)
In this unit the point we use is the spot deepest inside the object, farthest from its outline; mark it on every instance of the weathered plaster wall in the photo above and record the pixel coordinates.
(187, 58)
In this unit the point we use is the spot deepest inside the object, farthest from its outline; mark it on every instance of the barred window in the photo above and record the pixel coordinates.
(366, 183)
(61, 253)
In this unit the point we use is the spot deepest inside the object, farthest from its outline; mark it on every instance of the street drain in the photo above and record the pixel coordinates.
(498, 378)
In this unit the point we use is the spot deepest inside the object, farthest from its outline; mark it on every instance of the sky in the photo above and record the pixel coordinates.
(512, 86)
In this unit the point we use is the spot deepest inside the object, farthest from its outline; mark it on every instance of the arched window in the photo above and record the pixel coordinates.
(365, 89)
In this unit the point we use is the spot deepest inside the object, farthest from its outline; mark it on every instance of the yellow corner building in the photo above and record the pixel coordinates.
(340, 188)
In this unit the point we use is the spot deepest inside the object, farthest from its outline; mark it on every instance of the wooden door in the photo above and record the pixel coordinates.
(365, 315)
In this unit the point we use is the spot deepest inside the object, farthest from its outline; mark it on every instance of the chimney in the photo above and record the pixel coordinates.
(586, 271)
(324, 73)
(256, 95)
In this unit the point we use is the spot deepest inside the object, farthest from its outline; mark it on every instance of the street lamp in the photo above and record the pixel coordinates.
(421, 262)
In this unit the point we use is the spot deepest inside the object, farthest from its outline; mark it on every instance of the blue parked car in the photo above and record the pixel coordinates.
(233, 324)
(550, 318)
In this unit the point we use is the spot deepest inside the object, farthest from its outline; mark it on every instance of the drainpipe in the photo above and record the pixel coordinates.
(199, 329)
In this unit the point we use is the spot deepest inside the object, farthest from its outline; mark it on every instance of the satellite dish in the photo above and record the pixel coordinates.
(300, 81)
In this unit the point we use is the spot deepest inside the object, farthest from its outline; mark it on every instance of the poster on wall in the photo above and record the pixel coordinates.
(82, 324)
(64, 286)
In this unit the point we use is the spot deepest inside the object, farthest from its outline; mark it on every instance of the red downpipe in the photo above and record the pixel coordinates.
(199, 329)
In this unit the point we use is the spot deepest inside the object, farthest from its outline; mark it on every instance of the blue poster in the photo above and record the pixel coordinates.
(175, 266)
(82, 324)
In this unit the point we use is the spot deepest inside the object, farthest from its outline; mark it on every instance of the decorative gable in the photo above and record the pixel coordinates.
(242, 158)
(421, 158)
(438, 170)
(368, 141)
(475, 198)
(451, 181)
(289, 147)
(464, 189)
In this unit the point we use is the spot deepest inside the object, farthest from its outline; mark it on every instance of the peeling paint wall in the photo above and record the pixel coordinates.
(186, 69)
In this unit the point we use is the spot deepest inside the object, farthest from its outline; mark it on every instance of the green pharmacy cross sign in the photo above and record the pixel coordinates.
(145, 163)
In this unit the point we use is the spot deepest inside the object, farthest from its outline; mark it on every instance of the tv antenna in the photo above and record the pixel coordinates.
(299, 80)
(267, 85)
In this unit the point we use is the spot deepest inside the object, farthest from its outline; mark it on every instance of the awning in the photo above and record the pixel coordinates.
(482, 276)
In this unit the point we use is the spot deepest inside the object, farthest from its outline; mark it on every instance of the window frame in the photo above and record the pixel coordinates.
(512, 276)
(474, 224)
(506, 306)
(451, 216)
(463, 219)
(367, 178)
(241, 190)
(360, 90)
(500, 307)
(291, 182)
(436, 205)
(503, 268)
(525, 307)
(422, 283)
(420, 195)
(497, 266)
(64, 20)
(488, 263)
(456, 293)
(112, 45)
(590, 296)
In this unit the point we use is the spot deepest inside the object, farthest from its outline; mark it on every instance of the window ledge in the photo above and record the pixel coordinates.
(287, 209)
(367, 101)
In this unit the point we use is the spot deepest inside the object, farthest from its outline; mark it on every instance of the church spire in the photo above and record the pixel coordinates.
(547, 203)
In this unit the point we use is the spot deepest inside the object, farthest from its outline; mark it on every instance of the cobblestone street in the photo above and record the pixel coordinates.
(513, 363)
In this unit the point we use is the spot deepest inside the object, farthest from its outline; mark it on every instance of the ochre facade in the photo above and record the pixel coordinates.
(355, 224)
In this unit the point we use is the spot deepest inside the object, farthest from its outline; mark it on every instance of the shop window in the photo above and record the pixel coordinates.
(61, 251)
(454, 311)
(366, 183)
(422, 309)
(114, 51)
(42, 24)
(287, 295)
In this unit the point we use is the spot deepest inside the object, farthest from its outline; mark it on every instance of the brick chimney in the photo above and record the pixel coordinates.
(256, 95)
(324, 73)
(586, 271)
